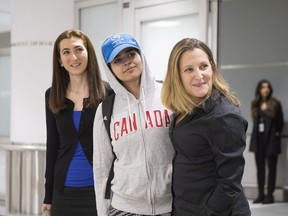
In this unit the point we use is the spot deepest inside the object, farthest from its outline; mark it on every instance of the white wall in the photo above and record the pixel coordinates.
(35, 27)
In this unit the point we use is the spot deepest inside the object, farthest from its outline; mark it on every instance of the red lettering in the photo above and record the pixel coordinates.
(127, 125)
(148, 120)
(124, 127)
(158, 118)
(116, 135)
(167, 118)
(133, 123)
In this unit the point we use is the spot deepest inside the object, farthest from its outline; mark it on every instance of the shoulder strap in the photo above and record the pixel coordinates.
(107, 108)
(109, 91)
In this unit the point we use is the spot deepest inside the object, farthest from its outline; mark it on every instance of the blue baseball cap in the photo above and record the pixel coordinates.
(116, 43)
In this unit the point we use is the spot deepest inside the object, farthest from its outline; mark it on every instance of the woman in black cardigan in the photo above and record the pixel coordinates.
(266, 136)
(71, 102)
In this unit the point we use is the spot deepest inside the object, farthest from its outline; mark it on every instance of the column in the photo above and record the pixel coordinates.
(35, 26)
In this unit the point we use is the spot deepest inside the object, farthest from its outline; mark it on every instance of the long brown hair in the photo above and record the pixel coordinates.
(61, 79)
(174, 96)
(272, 103)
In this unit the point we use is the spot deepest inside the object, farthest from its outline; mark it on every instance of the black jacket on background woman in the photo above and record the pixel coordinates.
(266, 139)
(273, 129)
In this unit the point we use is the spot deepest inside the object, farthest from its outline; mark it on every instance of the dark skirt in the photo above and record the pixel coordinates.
(74, 202)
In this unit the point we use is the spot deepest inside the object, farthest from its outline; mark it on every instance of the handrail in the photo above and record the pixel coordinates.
(22, 147)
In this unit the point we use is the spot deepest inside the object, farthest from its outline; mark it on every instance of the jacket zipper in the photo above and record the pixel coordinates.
(146, 163)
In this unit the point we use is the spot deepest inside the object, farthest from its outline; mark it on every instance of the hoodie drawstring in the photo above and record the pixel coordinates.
(144, 102)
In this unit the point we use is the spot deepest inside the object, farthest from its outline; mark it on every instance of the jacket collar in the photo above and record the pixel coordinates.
(211, 101)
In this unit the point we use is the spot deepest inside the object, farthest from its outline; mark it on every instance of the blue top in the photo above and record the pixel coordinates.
(80, 172)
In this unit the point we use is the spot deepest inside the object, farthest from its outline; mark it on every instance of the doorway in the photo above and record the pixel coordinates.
(157, 24)
(159, 32)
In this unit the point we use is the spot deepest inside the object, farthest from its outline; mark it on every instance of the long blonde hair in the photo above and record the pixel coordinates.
(174, 96)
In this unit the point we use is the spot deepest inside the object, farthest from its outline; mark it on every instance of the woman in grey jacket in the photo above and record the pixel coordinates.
(139, 136)
(208, 133)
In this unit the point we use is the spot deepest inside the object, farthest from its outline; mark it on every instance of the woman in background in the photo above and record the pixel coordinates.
(208, 133)
(266, 138)
(71, 103)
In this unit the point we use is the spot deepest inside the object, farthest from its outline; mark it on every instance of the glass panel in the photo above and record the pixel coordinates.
(259, 52)
(5, 40)
(5, 80)
(97, 25)
(159, 36)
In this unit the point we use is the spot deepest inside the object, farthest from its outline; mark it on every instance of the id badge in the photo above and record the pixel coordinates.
(261, 127)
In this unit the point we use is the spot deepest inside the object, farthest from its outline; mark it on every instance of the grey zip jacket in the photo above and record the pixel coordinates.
(141, 143)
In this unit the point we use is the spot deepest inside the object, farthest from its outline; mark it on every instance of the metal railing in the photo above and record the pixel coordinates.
(25, 168)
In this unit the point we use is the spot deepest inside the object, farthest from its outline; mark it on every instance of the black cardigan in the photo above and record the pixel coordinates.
(62, 138)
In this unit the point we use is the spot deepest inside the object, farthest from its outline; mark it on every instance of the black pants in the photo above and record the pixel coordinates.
(261, 159)
(74, 202)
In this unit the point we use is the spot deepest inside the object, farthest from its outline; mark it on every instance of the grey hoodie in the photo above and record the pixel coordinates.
(140, 140)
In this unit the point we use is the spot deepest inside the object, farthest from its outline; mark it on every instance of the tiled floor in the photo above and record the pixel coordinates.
(275, 209)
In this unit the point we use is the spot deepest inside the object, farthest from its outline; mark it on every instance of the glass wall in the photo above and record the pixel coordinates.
(253, 46)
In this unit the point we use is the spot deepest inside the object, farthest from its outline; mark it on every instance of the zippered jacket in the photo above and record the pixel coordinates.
(273, 130)
(209, 165)
(141, 143)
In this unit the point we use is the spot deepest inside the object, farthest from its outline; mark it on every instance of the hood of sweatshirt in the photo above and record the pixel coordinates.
(147, 83)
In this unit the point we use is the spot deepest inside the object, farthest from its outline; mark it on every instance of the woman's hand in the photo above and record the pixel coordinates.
(46, 209)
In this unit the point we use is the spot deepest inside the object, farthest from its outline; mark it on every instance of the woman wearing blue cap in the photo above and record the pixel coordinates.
(139, 137)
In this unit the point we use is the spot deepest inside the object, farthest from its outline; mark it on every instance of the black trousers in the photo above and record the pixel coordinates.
(74, 202)
(261, 159)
